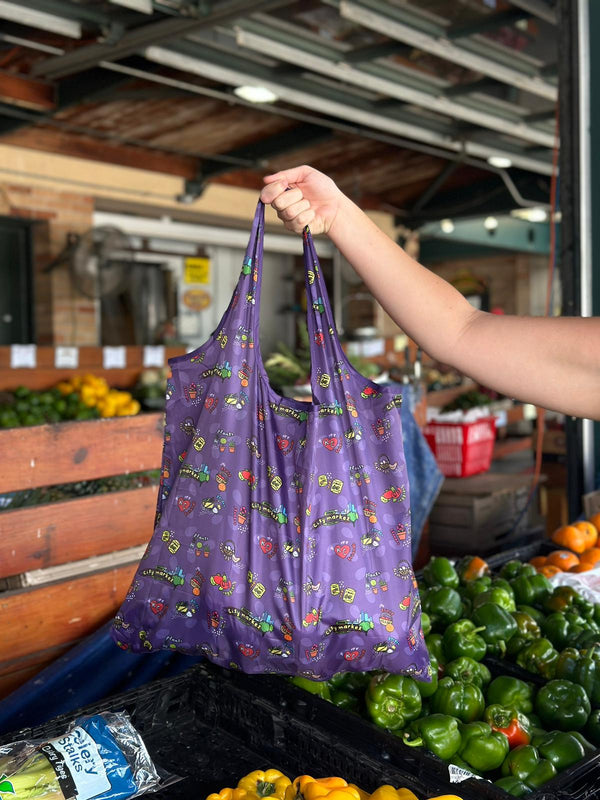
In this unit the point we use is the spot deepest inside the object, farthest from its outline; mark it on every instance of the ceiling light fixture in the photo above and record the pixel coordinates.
(447, 226)
(533, 214)
(255, 94)
(490, 224)
(502, 162)
(17, 12)
(143, 6)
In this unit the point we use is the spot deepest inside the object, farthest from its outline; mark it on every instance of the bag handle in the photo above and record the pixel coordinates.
(328, 361)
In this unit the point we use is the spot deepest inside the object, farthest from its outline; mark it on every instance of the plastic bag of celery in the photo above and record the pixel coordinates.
(100, 756)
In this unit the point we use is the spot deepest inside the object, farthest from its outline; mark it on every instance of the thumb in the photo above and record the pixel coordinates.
(289, 176)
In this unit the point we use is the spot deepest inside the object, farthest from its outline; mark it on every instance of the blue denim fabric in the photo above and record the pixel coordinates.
(424, 477)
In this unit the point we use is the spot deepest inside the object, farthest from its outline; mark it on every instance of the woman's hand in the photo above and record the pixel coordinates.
(303, 196)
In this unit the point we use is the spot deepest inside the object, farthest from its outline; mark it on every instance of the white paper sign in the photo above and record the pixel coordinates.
(23, 355)
(458, 774)
(66, 357)
(154, 356)
(114, 358)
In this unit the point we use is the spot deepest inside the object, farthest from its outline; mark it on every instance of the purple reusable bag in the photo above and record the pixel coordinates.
(282, 540)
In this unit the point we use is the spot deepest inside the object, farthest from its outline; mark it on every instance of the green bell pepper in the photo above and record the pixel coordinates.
(511, 692)
(443, 604)
(513, 786)
(425, 623)
(585, 640)
(562, 704)
(511, 722)
(592, 727)
(499, 627)
(582, 667)
(482, 748)
(514, 568)
(561, 627)
(429, 688)
(345, 699)
(320, 688)
(392, 700)
(468, 670)
(540, 657)
(527, 631)
(462, 700)
(435, 647)
(462, 638)
(473, 588)
(531, 590)
(470, 568)
(438, 733)
(525, 764)
(537, 615)
(565, 598)
(498, 595)
(439, 571)
(561, 748)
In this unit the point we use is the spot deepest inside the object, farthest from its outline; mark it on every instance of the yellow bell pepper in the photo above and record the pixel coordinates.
(388, 792)
(305, 787)
(259, 784)
(227, 794)
(447, 797)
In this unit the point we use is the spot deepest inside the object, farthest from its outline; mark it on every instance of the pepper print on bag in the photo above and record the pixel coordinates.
(282, 539)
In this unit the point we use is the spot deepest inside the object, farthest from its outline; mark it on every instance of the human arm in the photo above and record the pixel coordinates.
(553, 362)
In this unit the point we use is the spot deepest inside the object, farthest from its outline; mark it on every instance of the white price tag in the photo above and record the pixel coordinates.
(154, 356)
(66, 357)
(458, 774)
(114, 358)
(23, 356)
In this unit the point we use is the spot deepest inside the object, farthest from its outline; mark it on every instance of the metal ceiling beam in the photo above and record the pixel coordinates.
(374, 51)
(384, 19)
(489, 22)
(480, 85)
(538, 8)
(541, 116)
(435, 186)
(219, 67)
(152, 33)
(389, 85)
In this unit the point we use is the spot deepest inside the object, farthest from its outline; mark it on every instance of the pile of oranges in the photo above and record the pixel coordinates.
(580, 548)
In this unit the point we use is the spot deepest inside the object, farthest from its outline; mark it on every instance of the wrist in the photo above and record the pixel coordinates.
(346, 209)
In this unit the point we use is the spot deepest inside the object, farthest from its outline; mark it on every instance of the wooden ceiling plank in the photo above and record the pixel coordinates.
(21, 90)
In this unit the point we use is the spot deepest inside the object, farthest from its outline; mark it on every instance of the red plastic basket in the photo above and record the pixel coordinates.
(462, 448)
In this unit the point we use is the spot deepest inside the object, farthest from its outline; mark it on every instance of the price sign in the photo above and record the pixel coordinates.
(114, 358)
(154, 356)
(23, 356)
(66, 357)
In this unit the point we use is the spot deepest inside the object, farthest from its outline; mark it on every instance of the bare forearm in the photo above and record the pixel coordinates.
(554, 363)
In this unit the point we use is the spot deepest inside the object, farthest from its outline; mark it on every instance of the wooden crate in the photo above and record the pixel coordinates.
(482, 514)
(68, 565)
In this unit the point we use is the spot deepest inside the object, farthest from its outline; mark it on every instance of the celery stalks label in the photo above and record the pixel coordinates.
(78, 765)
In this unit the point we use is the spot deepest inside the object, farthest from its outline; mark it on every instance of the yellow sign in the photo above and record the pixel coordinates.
(196, 299)
(197, 270)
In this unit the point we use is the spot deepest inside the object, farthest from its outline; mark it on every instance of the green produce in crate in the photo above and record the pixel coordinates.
(592, 727)
(462, 700)
(346, 700)
(497, 594)
(527, 631)
(513, 786)
(511, 692)
(320, 688)
(470, 568)
(586, 640)
(482, 748)
(563, 749)
(562, 627)
(531, 590)
(525, 764)
(498, 627)
(350, 681)
(393, 700)
(582, 667)
(562, 704)
(438, 733)
(468, 670)
(443, 604)
(509, 721)
(462, 638)
(425, 623)
(514, 568)
(435, 647)
(469, 590)
(440, 572)
(537, 615)
(540, 657)
(427, 689)
(565, 598)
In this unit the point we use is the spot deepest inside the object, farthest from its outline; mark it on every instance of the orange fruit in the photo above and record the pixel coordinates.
(549, 570)
(563, 559)
(589, 530)
(591, 556)
(595, 520)
(583, 566)
(538, 561)
(571, 538)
